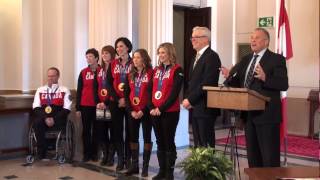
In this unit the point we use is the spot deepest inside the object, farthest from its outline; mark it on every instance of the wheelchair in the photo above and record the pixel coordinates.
(61, 140)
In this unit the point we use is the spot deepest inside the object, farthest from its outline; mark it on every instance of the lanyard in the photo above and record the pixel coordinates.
(104, 79)
(161, 76)
(137, 84)
(123, 71)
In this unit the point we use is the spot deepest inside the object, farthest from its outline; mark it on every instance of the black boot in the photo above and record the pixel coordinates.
(127, 156)
(170, 162)
(162, 164)
(134, 167)
(120, 165)
(110, 157)
(105, 155)
(146, 158)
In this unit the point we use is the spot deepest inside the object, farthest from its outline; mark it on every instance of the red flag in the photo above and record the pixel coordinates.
(284, 35)
(284, 48)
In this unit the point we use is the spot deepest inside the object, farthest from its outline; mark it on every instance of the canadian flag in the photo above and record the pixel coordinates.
(284, 48)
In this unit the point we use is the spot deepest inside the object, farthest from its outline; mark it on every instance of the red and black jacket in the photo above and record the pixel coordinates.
(114, 78)
(143, 95)
(87, 88)
(172, 80)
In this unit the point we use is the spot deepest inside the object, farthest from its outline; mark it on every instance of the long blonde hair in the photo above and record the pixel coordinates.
(171, 51)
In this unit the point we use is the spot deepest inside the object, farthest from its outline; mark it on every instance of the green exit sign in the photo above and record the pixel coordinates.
(265, 22)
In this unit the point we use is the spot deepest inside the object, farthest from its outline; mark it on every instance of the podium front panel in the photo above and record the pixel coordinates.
(234, 100)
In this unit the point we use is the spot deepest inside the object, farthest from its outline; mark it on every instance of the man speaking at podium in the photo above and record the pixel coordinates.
(266, 73)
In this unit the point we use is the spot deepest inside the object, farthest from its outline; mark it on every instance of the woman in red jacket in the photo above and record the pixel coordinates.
(87, 99)
(165, 107)
(103, 111)
(136, 94)
(117, 73)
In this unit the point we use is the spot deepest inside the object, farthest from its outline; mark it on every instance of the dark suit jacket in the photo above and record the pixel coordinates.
(274, 66)
(205, 73)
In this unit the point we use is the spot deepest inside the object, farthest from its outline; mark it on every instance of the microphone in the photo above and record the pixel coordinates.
(226, 82)
(232, 74)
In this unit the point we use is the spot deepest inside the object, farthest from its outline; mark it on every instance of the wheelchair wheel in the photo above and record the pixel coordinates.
(60, 146)
(30, 159)
(32, 140)
(61, 159)
(70, 143)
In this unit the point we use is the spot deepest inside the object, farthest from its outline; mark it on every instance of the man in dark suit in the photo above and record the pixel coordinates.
(204, 71)
(266, 73)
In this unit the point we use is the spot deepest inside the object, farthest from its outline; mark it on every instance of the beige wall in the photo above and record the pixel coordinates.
(246, 17)
(37, 35)
(298, 116)
(10, 44)
(108, 22)
(224, 41)
(304, 66)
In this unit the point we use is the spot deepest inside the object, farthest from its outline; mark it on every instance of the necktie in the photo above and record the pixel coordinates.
(249, 77)
(196, 60)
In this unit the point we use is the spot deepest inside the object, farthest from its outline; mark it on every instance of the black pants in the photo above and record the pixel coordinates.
(41, 128)
(134, 125)
(203, 131)
(120, 128)
(263, 144)
(165, 127)
(89, 133)
(103, 129)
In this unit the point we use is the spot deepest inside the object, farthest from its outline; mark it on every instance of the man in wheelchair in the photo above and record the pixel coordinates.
(51, 106)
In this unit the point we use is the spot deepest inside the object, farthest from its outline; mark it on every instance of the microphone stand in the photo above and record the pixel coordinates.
(234, 115)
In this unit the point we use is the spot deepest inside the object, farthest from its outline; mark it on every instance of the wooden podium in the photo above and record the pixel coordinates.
(235, 98)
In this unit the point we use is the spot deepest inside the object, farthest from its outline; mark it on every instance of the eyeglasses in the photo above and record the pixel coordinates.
(197, 37)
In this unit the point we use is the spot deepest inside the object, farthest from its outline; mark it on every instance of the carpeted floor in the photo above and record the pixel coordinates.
(297, 145)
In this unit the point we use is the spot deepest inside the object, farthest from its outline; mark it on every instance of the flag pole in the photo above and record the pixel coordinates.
(285, 48)
(285, 162)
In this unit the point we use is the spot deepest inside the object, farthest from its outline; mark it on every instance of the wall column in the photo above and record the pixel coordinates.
(155, 27)
(109, 20)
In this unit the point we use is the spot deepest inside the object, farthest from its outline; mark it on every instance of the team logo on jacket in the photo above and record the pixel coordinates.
(89, 76)
(57, 95)
(117, 69)
(166, 74)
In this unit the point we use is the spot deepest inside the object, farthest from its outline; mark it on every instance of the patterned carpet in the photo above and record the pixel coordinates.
(297, 145)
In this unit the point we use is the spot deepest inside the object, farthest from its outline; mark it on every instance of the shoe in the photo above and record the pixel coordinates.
(162, 164)
(42, 154)
(120, 154)
(170, 162)
(85, 159)
(111, 153)
(94, 158)
(134, 166)
(146, 159)
(104, 161)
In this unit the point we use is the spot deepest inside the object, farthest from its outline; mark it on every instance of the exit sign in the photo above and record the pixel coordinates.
(265, 22)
